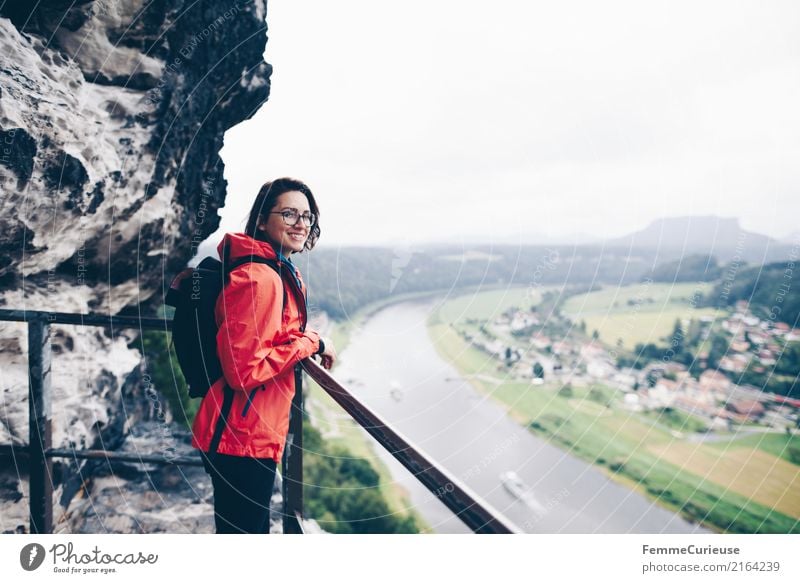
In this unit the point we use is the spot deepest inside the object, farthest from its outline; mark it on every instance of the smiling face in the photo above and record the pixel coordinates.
(286, 238)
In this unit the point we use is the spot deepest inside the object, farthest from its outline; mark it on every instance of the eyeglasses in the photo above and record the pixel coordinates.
(291, 216)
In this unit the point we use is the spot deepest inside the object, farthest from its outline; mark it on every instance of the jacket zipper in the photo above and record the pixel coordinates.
(250, 400)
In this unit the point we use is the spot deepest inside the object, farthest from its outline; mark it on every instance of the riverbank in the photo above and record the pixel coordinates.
(392, 366)
(741, 488)
(339, 429)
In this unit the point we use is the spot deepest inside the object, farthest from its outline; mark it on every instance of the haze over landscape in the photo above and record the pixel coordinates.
(526, 124)
(599, 211)
(559, 255)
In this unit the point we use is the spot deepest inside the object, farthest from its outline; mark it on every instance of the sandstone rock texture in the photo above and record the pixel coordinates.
(112, 116)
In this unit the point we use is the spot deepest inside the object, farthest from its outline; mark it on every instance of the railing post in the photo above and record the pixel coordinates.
(39, 426)
(293, 462)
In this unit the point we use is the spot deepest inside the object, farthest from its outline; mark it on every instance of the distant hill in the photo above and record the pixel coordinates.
(343, 279)
(689, 268)
(721, 237)
(792, 238)
(767, 288)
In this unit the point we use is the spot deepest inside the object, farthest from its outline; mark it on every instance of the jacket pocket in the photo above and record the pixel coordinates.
(250, 400)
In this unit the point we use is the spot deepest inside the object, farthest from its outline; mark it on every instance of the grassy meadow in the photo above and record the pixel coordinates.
(748, 484)
(635, 314)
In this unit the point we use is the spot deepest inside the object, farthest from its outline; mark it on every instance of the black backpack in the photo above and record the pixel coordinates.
(193, 293)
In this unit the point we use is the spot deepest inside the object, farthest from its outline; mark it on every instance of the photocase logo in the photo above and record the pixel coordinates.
(31, 556)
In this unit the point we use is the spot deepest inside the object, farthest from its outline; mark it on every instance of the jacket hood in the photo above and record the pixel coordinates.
(242, 245)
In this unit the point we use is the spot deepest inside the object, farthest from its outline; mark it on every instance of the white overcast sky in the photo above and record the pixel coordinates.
(510, 121)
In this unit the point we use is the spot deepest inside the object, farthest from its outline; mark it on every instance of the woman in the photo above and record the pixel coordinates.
(261, 317)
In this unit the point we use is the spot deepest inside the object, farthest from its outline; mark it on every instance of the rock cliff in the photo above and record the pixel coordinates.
(112, 116)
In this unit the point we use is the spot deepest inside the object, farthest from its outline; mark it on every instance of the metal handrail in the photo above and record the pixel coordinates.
(86, 319)
(476, 513)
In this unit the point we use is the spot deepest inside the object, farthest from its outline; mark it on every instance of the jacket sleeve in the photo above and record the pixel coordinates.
(250, 311)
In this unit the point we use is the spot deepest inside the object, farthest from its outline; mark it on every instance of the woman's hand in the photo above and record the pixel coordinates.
(328, 356)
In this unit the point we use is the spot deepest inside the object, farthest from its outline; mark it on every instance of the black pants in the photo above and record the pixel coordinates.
(242, 491)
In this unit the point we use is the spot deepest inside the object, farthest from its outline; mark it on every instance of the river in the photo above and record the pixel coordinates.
(392, 365)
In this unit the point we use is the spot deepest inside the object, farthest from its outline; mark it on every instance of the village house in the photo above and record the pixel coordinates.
(714, 381)
(781, 327)
(779, 418)
(766, 358)
(562, 348)
(522, 320)
(632, 402)
(600, 369)
(667, 385)
(696, 405)
(732, 364)
(745, 410)
(739, 345)
(624, 380)
(540, 342)
(657, 397)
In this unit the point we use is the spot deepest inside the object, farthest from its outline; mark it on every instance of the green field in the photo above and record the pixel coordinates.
(484, 305)
(676, 420)
(749, 484)
(780, 445)
(639, 313)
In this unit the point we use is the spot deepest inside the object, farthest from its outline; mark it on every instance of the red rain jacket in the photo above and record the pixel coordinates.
(258, 346)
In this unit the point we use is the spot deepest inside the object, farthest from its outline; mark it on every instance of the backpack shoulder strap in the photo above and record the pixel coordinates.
(252, 259)
(230, 266)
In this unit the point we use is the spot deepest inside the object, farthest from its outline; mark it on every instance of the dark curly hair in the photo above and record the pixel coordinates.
(265, 202)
